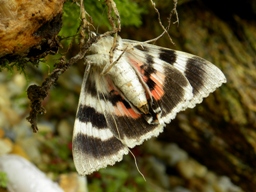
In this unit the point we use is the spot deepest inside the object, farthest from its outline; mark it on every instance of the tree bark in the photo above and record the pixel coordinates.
(221, 132)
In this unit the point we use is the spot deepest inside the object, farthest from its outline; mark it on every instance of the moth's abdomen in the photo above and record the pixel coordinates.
(126, 80)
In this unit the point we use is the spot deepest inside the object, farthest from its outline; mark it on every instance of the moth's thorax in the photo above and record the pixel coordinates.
(100, 51)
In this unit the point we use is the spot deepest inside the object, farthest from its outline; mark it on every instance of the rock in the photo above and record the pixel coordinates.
(23, 176)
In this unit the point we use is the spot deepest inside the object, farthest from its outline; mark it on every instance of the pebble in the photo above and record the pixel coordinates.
(158, 172)
(72, 182)
(224, 184)
(190, 168)
(194, 173)
(6, 146)
(64, 129)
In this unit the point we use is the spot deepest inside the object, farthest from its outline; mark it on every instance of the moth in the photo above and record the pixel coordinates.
(130, 91)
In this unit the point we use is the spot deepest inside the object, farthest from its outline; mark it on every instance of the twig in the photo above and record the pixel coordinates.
(174, 11)
(85, 23)
(169, 19)
(37, 94)
(115, 20)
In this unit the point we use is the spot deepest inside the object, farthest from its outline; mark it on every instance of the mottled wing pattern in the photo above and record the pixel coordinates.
(94, 144)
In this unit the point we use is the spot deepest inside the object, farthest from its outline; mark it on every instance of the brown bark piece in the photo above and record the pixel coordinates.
(28, 28)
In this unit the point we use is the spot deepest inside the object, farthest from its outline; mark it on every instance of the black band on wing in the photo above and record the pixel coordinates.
(151, 84)
(148, 69)
(174, 85)
(115, 97)
(169, 56)
(129, 127)
(88, 114)
(195, 73)
(90, 88)
(86, 144)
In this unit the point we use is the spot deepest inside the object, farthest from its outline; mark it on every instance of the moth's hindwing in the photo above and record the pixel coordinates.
(94, 144)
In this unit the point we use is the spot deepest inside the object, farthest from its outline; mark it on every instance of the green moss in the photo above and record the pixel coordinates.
(130, 13)
(119, 178)
(3, 179)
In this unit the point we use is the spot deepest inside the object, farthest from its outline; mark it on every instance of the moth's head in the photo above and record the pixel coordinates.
(102, 43)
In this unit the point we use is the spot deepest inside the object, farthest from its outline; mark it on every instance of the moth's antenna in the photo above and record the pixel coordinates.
(137, 167)
(160, 22)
